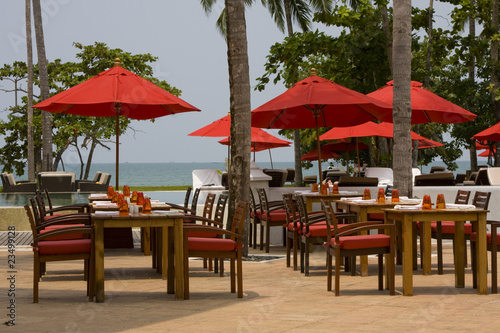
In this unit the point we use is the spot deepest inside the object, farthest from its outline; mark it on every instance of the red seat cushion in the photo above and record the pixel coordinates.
(64, 246)
(473, 237)
(211, 244)
(376, 216)
(362, 241)
(318, 229)
(275, 215)
(63, 237)
(291, 226)
(448, 227)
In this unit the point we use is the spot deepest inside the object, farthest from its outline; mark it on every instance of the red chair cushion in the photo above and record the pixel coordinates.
(64, 246)
(211, 244)
(448, 227)
(362, 241)
(376, 216)
(291, 226)
(319, 229)
(63, 237)
(473, 237)
(275, 215)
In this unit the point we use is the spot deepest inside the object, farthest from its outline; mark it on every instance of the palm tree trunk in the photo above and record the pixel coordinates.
(29, 60)
(494, 72)
(239, 85)
(472, 78)
(402, 96)
(387, 32)
(44, 87)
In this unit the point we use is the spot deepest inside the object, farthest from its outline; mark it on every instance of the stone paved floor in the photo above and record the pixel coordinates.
(277, 299)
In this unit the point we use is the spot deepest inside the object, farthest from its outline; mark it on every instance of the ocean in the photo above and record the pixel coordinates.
(171, 174)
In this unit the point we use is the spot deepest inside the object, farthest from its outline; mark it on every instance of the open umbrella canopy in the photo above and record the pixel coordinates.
(490, 134)
(316, 102)
(99, 96)
(426, 106)
(220, 127)
(261, 140)
(113, 93)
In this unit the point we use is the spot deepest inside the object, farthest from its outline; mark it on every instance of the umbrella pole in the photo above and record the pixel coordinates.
(357, 153)
(254, 154)
(270, 158)
(318, 146)
(117, 107)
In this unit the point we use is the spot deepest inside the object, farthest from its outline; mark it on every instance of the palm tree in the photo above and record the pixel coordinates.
(44, 87)
(29, 48)
(402, 96)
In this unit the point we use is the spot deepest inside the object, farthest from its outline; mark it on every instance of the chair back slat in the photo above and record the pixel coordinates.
(194, 202)
(291, 211)
(220, 208)
(186, 198)
(481, 200)
(462, 197)
(330, 218)
(263, 200)
(239, 218)
(209, 206)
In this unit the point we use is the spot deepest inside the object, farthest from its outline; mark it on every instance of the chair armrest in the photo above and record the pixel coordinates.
(66, 219)
(195, 218)
(64, 231)
(81, 208)
(367, 226)
(179, 207)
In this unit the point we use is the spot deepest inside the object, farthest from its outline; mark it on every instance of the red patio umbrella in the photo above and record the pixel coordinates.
(490, 134)
(331, 150)
(261, 140)
(316, 102)
(113, 93)
(219, 128)
(426, 106)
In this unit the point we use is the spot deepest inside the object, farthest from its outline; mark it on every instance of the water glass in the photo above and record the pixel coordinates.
(140, 198)
(123, 207)
(426, 203)
(146, 207)
(440, 204)
(381, 196)
(126, 191)
(395, 196)
(367, 195)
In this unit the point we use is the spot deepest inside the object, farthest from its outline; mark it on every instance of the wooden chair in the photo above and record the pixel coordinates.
(185, 207)
(64, 243)
(446, 230)
(272, 214)
(254, 222)
(221, 248)
(347, 243)
(313, 231)
(481, 200)
(493, 245)
(292, 229)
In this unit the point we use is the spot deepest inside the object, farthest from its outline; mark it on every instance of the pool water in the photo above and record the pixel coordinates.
(61, 199)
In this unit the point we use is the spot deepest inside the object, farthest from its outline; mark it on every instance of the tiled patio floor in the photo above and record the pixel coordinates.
(277, 299)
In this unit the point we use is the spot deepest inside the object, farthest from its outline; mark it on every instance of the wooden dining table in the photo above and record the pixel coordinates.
(407, 217)
(312, 197)
(172, 248)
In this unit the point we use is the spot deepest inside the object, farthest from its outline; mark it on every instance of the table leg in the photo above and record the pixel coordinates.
(407, 256)
(147, 241)
(179, 258)
(99, 262)
(363, 260)
(426, 255)
(309, 204)
(481, 255)
(459, 255)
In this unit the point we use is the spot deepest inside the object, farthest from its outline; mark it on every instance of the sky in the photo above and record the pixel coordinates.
(192, 56)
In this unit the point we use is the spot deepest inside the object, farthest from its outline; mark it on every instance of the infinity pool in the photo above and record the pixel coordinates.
(60, 199)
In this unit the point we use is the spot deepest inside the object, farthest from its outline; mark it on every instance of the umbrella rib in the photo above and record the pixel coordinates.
(171, 112)
(276, 118)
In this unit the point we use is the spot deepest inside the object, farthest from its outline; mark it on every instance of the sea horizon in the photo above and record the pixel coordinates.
(180, 173)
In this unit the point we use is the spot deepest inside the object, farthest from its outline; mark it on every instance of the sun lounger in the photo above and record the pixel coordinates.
(446, 178)
(57, 181)
(207, 179)
(10, 184)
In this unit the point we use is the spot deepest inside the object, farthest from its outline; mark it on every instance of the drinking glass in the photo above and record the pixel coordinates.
(315, 188)
(381, 196)
(440, 204)
(134, 196)
(367, 195)
(126, 191)
(395, 195)
(111, 191)
(146, 207)
(335, 188)
(426, 203)
(140, 199)
(123, 207)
